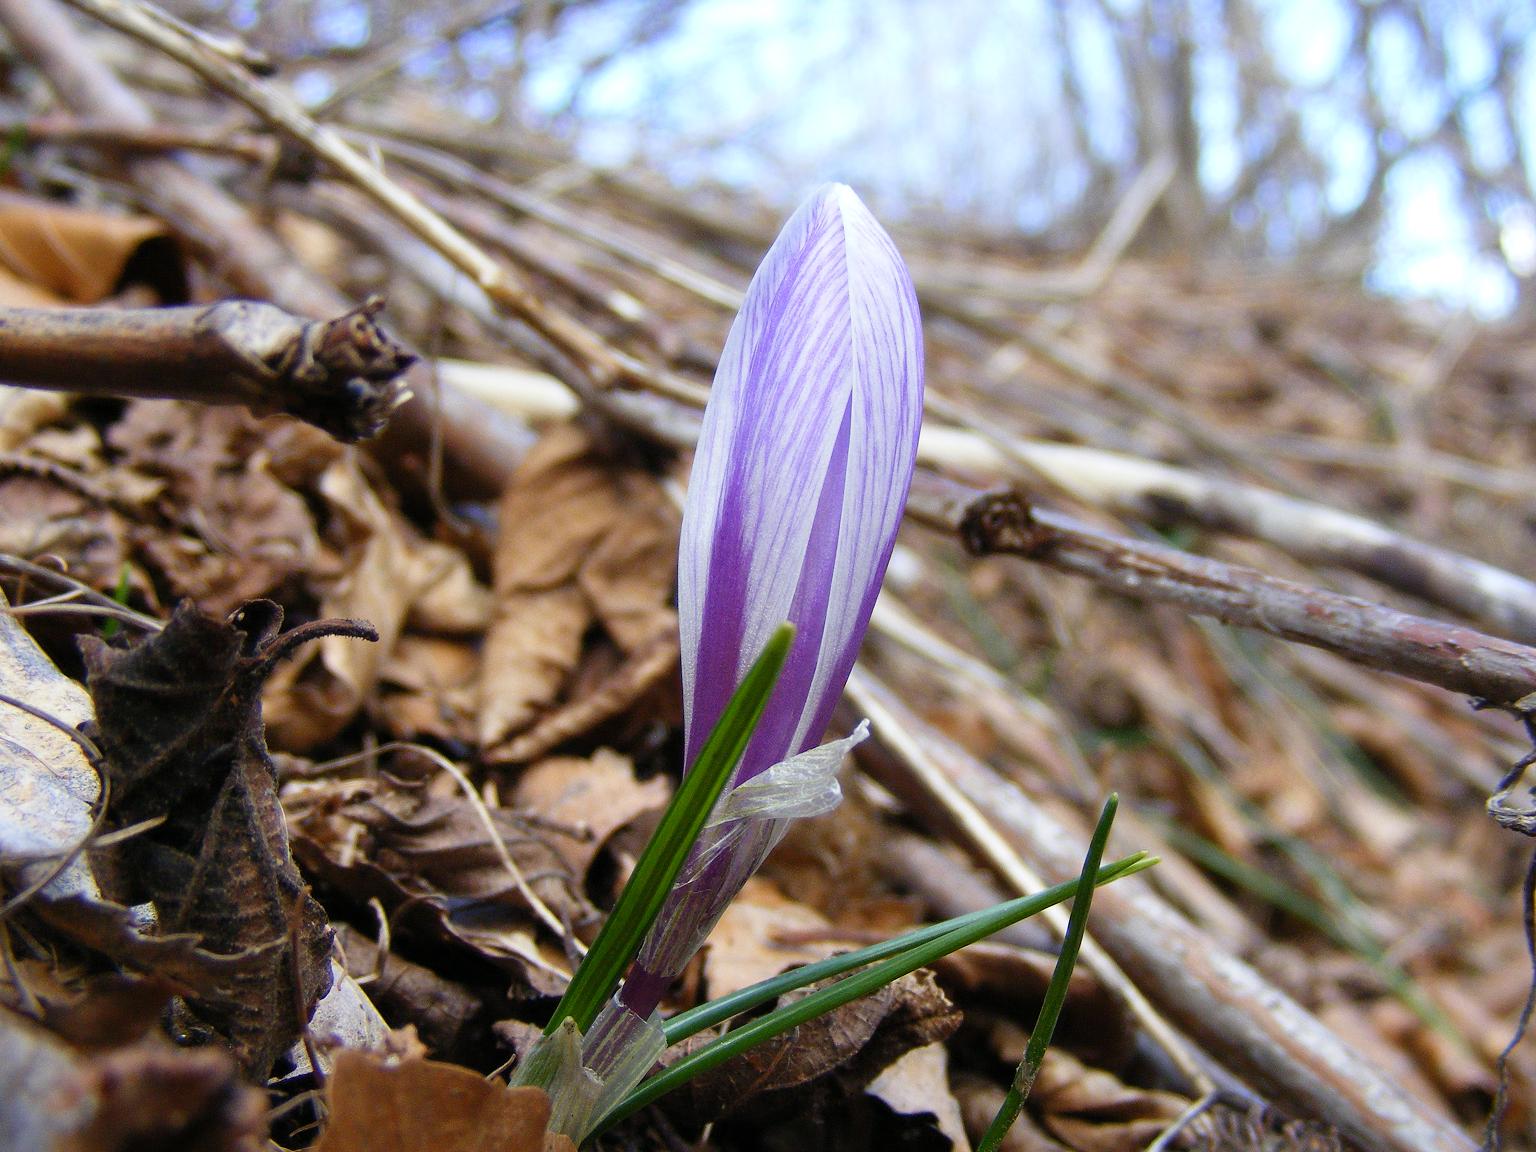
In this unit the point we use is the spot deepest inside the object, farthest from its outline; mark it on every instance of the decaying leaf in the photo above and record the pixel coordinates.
(1089, 1109)
(593, 798)
(582, 541)
(48, 789)
(144, 1096)
(916, 1085)
(762, 933)
(179, 721)
(1012, 980)
(855, 1042)
(380, 1106)
(237, 531)
(447, 1016)
(386, 569)
(422, 848)
(54, 254)
(429, 687)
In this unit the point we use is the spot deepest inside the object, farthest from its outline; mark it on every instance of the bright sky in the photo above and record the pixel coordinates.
(956, 106)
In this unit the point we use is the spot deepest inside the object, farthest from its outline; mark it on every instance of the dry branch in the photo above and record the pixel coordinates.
(1163, 495)
(579, 344)
(483, 443)
(1460, 659)
(341, 375)
(1224, 1005)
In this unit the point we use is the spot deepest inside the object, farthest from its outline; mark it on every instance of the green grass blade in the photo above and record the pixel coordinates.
(978, 925)
(1056, 992)
(638, 905)
(824, 1000)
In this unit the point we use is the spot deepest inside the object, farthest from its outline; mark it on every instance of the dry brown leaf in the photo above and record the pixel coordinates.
(445, 1015)
(145, 1095)
(630, 574)
(530, 651)
(178, 720)
(24, 410)
(1095, 1024)
(237, 532)
(980, 1100)
(385, 570)
(59, 255)
(916, 1084)
(409, 1105)
(582, 541)
(429, 688)
(1093, 1111)
(748, 944)
(40, 516)
(596, 797)
(609, 695)
(559, 504)
(855, 1042)
(425, 853)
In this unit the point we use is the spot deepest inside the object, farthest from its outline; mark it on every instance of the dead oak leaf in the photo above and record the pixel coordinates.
(916, 1085)
(594, 797)
(583, 540)
(179, 722)
(1090, 1109)
(752, 940)
(379, 1106)
(387, 570)
(236, 530)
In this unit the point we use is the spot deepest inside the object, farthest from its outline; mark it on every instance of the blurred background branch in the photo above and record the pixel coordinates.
(1393, 141)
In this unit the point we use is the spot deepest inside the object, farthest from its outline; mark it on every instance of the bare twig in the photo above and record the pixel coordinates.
(341, 375)
(583, 347)
(1162, 495)
(112, 137)
(1460, 659)
(484, 443)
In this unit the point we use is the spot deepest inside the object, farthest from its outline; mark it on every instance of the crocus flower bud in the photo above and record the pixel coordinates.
(802, 470)
(801, 474)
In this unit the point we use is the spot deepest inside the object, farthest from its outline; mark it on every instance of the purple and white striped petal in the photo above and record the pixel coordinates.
(802, 470)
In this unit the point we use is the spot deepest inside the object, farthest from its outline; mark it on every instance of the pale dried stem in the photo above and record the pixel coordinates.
(970, 822)
(598, 234)
(1453, 657)
(1183, 976)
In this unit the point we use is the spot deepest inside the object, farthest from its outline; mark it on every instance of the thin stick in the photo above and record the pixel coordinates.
(1459, 659)
(242, 253)
(495, 279)
(1162, 494)
(111, 137)
(341, 375)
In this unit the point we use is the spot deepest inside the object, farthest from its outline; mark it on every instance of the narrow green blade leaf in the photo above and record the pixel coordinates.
(977, 925)
(1056, 992)
(823, 1000)
(640, 902)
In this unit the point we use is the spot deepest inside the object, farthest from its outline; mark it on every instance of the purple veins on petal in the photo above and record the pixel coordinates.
(802, 470)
